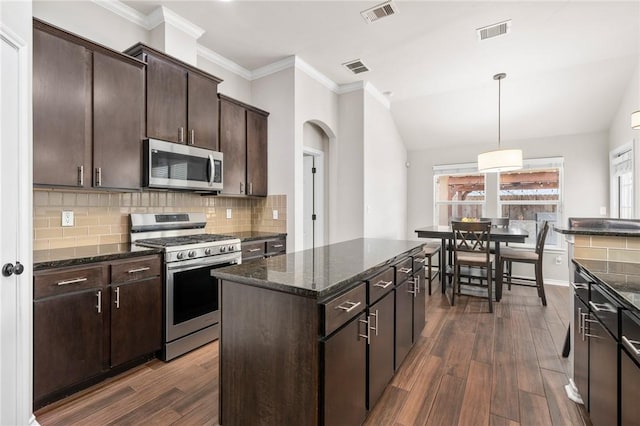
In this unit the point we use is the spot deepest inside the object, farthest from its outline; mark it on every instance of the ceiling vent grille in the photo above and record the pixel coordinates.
(356, 66)
(380, 11)
(494, 30)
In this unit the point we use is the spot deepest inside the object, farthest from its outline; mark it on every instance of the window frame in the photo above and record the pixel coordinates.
(453, 170)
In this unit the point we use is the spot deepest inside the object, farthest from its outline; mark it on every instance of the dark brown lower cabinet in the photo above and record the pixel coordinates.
(419, 302)
(603, 375)
(380, 349)
(345, 375)
(580, 350)
(136, 319)
(404, 320)
(68, 341)
(630, 389)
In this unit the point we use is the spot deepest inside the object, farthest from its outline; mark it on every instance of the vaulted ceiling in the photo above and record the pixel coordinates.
(568, 63)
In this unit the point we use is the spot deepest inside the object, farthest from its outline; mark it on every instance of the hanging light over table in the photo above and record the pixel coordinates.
(500, 160)
(635, 120)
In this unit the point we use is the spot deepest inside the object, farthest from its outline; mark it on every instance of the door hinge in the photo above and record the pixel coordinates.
(313, 217)
(313, 170)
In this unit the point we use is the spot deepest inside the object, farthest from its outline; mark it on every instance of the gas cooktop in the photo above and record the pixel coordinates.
(183, 240)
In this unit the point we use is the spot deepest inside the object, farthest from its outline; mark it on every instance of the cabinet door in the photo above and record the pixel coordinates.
(580, 351)
(380, 348)
(68, 336)
(118, 122)
(256, 153)
(404, 321)
(419, 302)
(166, 100)
(233, 144)
(136, 319)
(630, 389)
(603, 376)
(61, 111)
(202, 112)
(345, 375)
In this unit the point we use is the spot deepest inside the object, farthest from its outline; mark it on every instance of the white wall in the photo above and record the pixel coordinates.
(385, 173)
(232, 84)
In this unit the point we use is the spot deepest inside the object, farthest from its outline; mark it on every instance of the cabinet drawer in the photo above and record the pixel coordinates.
(343, 308)
(404, 270)
(60, 281)
(251, 250)
(631, 335)
(605, 308)
(135, 269)
(277, 246)
(418, 262)
(380, 284)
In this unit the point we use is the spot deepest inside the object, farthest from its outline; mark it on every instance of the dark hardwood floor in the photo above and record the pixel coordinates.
(469, 367)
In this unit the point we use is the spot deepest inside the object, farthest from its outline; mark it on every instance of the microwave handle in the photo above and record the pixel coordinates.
(211, 174)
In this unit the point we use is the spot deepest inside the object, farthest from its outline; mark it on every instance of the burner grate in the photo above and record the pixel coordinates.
(183, 240)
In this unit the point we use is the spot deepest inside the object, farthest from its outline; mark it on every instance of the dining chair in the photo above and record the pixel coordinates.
(510, 255)
(471, 248)
(431, 251)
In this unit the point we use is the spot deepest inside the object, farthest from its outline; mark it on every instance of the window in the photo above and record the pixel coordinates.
(532, 195)
(621, 169)
(459, 191)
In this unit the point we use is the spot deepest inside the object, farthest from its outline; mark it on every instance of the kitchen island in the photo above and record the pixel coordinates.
(300, 331)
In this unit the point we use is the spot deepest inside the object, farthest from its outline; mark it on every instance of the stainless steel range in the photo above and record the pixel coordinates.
(191, 294)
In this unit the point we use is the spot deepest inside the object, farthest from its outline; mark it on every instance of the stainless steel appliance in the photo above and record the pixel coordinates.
(176, 166)
(191, 294)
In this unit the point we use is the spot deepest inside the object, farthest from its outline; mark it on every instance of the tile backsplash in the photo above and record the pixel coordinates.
(615, 249)
(103, 217)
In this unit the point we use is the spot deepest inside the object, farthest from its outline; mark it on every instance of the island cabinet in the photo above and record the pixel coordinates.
(90, 319)
(630, 369)
(404, 292)
(182, 103)
(88, 112)
(308, 338)
(243, 141)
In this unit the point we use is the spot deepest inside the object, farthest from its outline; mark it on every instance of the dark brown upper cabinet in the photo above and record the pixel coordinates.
(182, 101)
(243, 141)
(88, 112)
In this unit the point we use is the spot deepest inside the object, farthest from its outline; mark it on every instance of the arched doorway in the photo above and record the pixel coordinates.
(315, 156)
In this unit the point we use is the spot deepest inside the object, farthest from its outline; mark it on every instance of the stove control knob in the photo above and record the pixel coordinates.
(232, 248)
(180, 255)
(207, 252)
(223, 249)
(192, 253)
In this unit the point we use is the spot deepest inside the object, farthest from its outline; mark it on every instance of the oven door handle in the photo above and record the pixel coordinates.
(219, 264)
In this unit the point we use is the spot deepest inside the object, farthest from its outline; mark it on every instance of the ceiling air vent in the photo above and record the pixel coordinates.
(494, 30)
(356, 66)
(380, 11)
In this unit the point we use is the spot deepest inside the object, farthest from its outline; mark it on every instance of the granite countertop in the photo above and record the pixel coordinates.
(74, 256)
(607, 227)
(620, 277)
(321, 272)
(256, 235)
(605, 232)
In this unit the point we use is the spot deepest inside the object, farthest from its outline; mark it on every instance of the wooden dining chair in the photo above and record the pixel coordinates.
(431, 252)
(509, 255)
(471, 241)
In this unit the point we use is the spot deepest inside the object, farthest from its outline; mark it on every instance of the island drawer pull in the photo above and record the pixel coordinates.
(72, 281)
(631, 345)
(383, 284)
(254, 250)
(278, 245)
(144, 268)
(351, 306)
(419, 260)
(578, 286)
(99, 305)
(376, 327)
(368, 335)
(405, 270)
(606, 307)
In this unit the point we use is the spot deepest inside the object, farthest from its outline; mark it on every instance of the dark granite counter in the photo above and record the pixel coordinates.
(322, 272)
(598, 231)
(75, 256)
(256, 235)
(623, 279)
(601, 226)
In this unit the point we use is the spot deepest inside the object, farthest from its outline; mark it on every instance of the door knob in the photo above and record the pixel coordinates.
(8, 269)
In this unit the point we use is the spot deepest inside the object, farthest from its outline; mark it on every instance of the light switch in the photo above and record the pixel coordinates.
(228, 213)
(275, 214)
(67, 218)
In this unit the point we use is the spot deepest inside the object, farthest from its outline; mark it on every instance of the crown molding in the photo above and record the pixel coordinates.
(377, 95)
(223, 62)
(283, 64)
(351, 87)
(124, 11)
(164, 14)
(316, 75)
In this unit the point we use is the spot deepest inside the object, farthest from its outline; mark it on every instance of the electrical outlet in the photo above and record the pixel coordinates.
(229, 214)
(67, 218)
(275, 214)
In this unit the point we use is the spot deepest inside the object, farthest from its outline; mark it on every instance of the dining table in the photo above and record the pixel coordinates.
(499, 235)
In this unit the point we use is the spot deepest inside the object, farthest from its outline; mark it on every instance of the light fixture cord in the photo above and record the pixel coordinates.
(499, 86)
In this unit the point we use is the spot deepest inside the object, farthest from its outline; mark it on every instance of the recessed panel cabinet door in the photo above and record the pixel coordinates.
(419, 302)
(166, 101)
(404, 321)
(203, 112)
(61, 111)
(233, 144)
(256, 154)
(381, 348)
(136, 320)
(118, 106)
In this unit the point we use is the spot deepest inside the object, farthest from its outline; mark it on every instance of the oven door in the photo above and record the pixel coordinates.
(192, 295)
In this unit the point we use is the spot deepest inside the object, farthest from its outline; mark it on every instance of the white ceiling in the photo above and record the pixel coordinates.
(568, 63)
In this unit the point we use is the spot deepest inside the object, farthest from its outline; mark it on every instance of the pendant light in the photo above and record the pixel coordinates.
(500, 160)
(635, 120)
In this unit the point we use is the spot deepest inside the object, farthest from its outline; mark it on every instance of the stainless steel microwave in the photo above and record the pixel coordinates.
(174, 166)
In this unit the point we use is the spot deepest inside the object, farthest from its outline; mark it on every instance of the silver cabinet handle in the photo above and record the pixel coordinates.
(250, 188)
(580, 320)
(241, 187)
(630, 345)
(98, 176)
(253, 250)
(99, 305)
(376, 327)
(133, 271)
(117, 297)
(419, 260)
(578, 286)
(368, 335)
(411, 288)
(350, 306)
(192, 137)
(606, 307)
(417, 284)
(405, 270)
(80, 175)
(72, 281)
(592, 321)
(181, 134)
(278, 245)
(383, 284)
